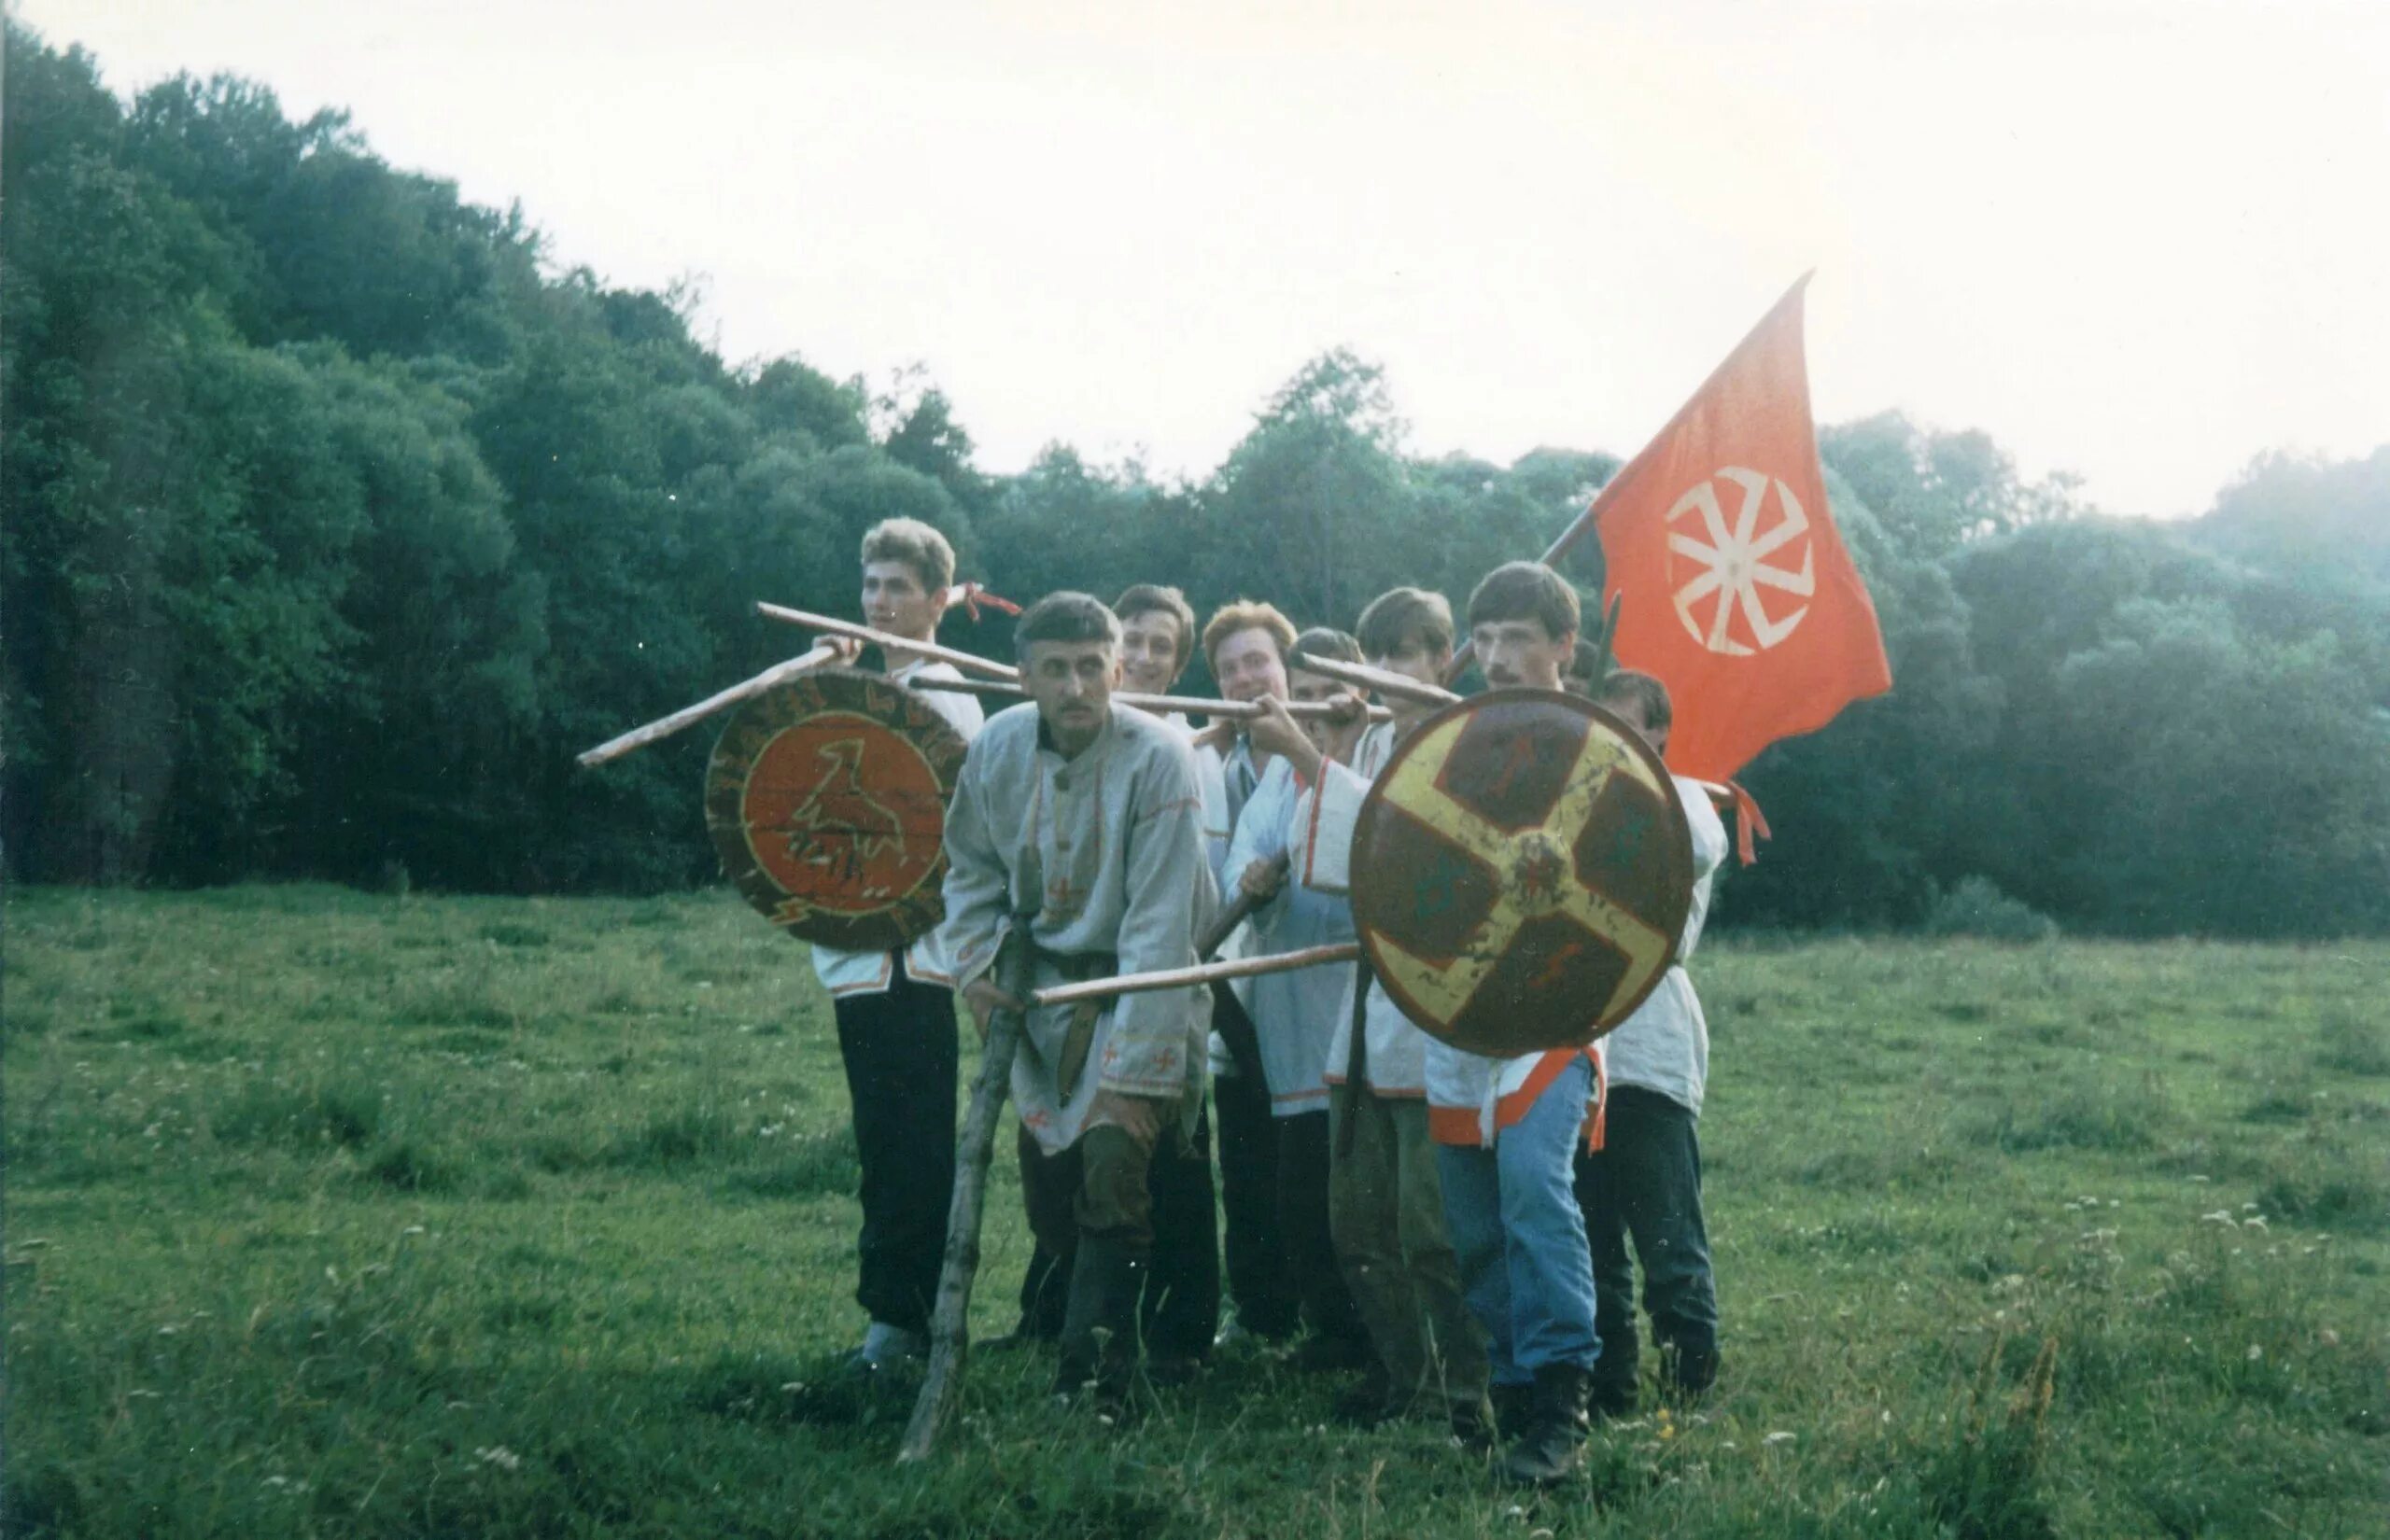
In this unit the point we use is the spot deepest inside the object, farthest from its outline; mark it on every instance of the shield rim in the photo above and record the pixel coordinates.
(1375, 806)
(881, 929)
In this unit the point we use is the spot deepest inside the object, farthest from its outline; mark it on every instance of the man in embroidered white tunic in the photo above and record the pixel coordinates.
(1645, 1180)
(1384, 1196)
(1294, 1014)
(896, 1010)
(1156, 640)
(1077, 830)
(1246, 644)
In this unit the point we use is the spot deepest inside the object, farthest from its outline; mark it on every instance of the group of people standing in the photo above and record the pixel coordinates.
(1450, 1230)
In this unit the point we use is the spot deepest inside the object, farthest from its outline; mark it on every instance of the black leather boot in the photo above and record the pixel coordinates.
(1612, 1396)
(1512, 1408)
(1100, 1329)
(1547, 1452)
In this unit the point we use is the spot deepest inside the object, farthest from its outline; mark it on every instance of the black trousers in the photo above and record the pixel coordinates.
(1181, 1306)
(1645, 1184)
(1268, 1302)
(901, 1051)
(1310, 1250)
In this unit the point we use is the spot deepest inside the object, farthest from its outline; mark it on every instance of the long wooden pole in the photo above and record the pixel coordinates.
(1202, 972)
(1383, 680)
(837, 628)
(664, 727)
(1194, 704)
(950, 1316)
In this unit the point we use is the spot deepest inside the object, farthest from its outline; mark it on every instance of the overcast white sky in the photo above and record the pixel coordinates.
(2141, 238)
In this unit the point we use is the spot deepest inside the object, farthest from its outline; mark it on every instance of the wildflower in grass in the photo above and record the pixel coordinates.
(1771, 1440)
(500, 1456)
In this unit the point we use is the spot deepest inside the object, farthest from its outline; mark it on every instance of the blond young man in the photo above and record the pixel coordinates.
(896, 1010)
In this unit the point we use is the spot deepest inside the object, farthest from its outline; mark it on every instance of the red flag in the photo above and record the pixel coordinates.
(1739, 594)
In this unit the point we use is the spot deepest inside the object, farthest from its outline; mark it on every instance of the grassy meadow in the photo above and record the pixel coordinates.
(335, 1215)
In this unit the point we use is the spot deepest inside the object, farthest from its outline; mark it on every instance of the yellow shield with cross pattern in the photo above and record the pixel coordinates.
(1521, 873)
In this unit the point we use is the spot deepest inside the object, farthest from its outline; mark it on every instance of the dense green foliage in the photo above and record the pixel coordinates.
(337, 1214)
(339, 520)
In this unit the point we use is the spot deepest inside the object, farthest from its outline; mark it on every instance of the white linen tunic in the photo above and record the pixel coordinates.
(847, 974)
(1105, 854)
(1320, 848)
(1294, 1013)
(1664, 1045)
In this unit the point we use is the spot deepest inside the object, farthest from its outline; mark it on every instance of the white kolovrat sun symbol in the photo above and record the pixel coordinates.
(1731, 566)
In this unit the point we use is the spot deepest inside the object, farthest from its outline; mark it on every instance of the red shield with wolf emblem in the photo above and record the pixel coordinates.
(1522, 873)
(826, 800)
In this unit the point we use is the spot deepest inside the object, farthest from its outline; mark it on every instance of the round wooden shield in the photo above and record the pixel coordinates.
(1521, 873)
(826, 800)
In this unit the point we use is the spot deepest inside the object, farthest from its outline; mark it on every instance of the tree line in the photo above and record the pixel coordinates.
(339, 518)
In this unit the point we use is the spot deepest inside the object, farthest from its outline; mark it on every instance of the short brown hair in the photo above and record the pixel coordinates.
(1065, 616)
(1524, 591)
(1144, 598)
(918, 545)
(1247, 615)
(1582, 665)
(1647, 694)
(1324, 641)
(1399, 614)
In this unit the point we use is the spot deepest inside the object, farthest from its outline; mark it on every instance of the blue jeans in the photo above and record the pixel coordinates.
(1512, 1213)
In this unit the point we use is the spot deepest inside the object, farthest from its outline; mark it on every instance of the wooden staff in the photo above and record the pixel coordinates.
(1202, 972)
(1229, 1018)
(1384, 682)
(837, 628)
(664, 727)
(951, 1317)
(1195, 705)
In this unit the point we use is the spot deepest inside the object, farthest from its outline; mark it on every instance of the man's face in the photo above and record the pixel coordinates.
(1324, 735)
(1521, 653)
(1149, 652)
(1071, 682)
(1248, 665)
(1629, 709)
(895, 601)
(1413, 659)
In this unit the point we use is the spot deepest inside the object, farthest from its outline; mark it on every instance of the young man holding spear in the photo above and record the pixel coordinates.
(1245, 645)
(896, 1010)
(1077, 832)
(1386, 1199)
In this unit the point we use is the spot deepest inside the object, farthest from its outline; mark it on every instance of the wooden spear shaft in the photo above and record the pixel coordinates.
(1241, 710)
(1202, 972)
(664, 727)
(837, 628)
(1383, 680)
(950, 1316)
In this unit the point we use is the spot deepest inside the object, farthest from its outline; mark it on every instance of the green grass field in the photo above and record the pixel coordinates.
(333, 1215)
